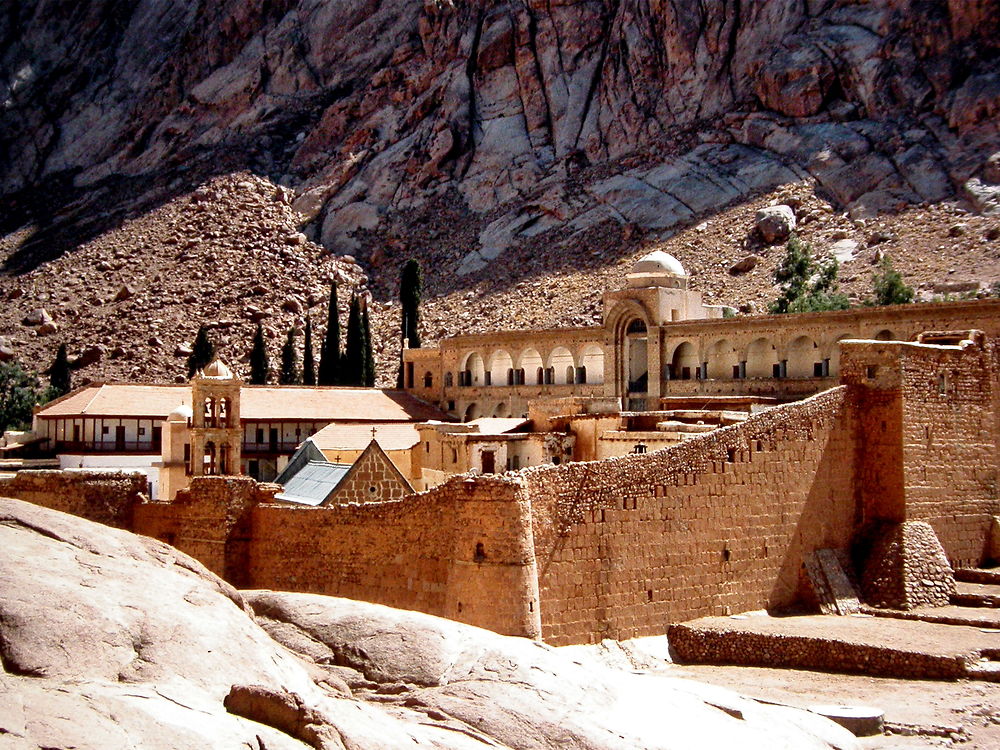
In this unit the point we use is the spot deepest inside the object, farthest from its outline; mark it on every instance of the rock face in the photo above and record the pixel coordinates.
(588, 112)
(112, 640)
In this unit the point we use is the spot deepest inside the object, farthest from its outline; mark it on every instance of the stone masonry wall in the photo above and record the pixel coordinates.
(461, 550)
(372, 478)
(209, 521)
(950, 445)
(718, 524)
(104, 497)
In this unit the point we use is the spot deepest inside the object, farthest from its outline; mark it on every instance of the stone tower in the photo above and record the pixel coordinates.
(216, 434)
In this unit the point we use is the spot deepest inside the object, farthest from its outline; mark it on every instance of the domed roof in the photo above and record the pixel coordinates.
(659, 262)
(217, 369)
(181, 414)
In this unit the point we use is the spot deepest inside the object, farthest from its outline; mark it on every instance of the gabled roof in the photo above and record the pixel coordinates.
(313, 483)
(260, 403)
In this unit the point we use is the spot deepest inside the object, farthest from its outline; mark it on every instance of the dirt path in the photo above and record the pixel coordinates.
(973, 707)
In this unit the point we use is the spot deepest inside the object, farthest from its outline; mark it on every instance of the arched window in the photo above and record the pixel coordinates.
(208, 460)
(225, 409)
(209, 414)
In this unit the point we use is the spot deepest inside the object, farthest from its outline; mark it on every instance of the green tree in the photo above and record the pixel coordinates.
(260, 364)
(290, 374)
(308, 363)
(888, 285)
(354, 351)
(369, 355)
(410, 290)
(19, 393)
(806, 286)
(329, 362)
(202, 353)
(60, 378)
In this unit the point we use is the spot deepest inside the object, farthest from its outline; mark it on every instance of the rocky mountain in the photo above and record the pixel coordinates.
(512, 146)
(112, 640)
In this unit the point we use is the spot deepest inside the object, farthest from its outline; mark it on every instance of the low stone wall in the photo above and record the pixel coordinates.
(104, 497)
(697, 645)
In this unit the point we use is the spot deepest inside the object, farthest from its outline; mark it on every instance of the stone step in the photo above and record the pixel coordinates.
(975, 600)
(978, 575)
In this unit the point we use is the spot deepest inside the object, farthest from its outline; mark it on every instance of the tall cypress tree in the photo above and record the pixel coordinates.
(202, 353)
(410, 288)
(354, 354)
(260, 365)
(59, 374)
(289, 361)
(308, 363)
(329, 363)
(369, 356)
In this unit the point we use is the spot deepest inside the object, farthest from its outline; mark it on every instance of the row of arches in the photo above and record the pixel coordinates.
(560, 367)
(217, 412)
(724, 359)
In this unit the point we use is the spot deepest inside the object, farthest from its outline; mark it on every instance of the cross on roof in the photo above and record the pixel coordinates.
(373, 433)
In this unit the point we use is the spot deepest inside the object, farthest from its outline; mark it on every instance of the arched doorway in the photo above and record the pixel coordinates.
(637, 356)
(592, 365)
(802, 358)
(684, 364)
(760, 359)
(723, 361)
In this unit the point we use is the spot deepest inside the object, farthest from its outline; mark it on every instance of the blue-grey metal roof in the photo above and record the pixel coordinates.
(313, 483)
(305, 453)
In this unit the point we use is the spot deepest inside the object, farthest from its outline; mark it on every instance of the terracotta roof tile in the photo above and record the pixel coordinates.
(256, 403)
(355, 437)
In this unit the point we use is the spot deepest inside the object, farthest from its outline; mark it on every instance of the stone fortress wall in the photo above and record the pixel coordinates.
(621, 547)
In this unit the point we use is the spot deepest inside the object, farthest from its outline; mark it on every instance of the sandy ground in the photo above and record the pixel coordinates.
(925, 713)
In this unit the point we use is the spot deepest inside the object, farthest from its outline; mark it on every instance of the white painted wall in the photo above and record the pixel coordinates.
(131, 464)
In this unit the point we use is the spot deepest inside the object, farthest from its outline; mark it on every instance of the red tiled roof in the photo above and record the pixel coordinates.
(269, 403)
(355, 437)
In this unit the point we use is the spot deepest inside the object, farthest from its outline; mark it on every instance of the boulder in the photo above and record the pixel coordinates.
(744, 265)
(89, 356)
(38, 316)
(984, 197)
(775, 223)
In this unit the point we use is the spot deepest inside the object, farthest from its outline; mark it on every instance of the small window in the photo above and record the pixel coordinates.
(943, 383)
(448, 379)
(871, 371)
(142, 430)
(427, 447)
(480, 553)
(105, 430)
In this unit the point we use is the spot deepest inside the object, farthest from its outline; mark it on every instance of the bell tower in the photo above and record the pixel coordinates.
(216, 434)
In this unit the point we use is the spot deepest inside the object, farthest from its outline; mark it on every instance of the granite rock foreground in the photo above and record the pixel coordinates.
(112, 640)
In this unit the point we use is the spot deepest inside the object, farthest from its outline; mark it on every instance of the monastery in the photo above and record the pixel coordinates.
(579, 484)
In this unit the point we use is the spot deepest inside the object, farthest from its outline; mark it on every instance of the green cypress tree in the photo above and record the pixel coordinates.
(59, 375)
(202, 353)
(410, 290)
(354, 355)
(329, 363)
(290, 361)
(308, 363)
(366, 332)
(260, 365)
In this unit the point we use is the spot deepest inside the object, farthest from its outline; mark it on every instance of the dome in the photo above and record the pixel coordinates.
(217, 369)
(659, 262)
(181, 414)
